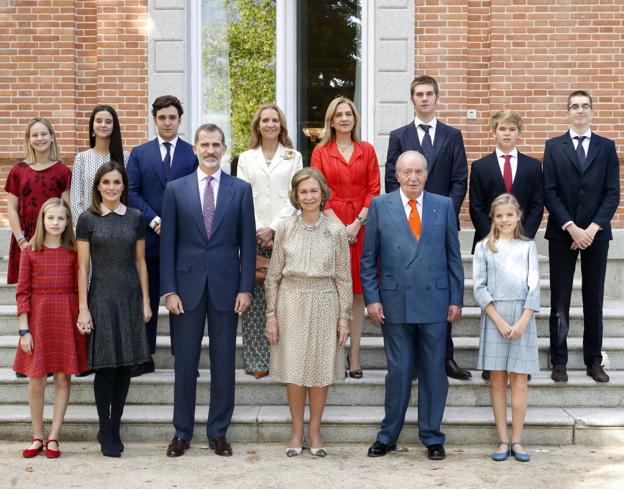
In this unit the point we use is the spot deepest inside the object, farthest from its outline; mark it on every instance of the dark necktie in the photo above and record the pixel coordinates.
(507, 173)
(427, 145)
(580, 151)
(167, 160)
(208, 209)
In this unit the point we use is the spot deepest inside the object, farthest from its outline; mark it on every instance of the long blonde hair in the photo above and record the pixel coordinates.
(29, 151)
(68, 239)
(493, 235)
(329, 133)
(255, 139)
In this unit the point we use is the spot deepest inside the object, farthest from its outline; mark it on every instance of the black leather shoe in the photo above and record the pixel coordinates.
(379, 449)
(455, 371)
(220, 446)
(436, 452)
(485, 375)
(559, 373)
(177, 447)
(597, 373)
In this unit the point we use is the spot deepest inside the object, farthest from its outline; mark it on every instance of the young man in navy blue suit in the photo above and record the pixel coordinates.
(443, 147)
(582, 193)
(150, 167)
(506, 170)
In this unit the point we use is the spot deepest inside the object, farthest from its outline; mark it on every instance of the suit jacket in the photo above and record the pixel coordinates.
(146, 182)
(487, 183)
(448, 168)
(415, 281)
(189, 261)
(270, 184)
(581, 196)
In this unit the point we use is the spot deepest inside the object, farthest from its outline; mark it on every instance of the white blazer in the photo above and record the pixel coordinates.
(270, 184)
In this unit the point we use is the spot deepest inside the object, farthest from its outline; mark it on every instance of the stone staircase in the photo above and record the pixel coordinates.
(579, 412)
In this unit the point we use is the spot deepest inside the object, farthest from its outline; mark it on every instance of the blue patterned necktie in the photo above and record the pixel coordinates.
(167, 160)
(427, 145)
(580, 151)
(208, 208)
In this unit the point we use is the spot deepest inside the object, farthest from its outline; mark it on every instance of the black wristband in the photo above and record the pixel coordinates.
(24, 332)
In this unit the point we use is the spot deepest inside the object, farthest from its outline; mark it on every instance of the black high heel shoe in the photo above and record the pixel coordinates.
(354, 374)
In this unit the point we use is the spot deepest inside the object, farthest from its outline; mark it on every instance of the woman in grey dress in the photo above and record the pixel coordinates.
(309, 296)
(506, 286)
(114, 306)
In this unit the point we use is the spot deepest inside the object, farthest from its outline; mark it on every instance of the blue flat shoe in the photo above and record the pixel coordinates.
(520, 457)
(501, 456)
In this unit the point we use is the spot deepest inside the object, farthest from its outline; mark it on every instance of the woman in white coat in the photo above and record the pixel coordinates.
(268, 166)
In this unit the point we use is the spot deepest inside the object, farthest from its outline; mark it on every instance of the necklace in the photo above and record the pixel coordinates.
(342, 149)
(311, 227)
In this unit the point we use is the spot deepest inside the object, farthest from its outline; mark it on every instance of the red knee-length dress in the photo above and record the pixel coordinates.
(353, 185)
(47, 290)
(32, 188)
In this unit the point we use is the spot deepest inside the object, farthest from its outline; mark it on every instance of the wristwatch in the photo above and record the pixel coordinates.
(362, 220)
(24, 332)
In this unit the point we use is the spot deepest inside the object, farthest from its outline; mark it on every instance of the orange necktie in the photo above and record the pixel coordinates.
(414, 220)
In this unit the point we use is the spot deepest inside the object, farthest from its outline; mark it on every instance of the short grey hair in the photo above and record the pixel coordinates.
(411, 152)
(208, 127)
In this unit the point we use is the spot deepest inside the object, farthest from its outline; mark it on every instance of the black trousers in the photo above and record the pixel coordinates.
(593, 270)
(153, 272)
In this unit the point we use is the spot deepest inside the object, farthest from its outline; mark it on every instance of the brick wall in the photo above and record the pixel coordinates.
(59, 59)
(526, 55)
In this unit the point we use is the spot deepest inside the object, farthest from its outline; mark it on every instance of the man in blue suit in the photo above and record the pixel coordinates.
(443, 147)
(150, 167)
(207, 272)
(413, 284)
(582, 193)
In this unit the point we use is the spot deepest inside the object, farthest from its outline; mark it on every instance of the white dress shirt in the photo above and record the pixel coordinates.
(513, 161)
(406, 207)
(163, 149)
(421, 134)
(202, 178)
(587, 135)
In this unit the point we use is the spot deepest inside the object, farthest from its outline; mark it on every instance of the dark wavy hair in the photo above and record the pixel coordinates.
(115, 147)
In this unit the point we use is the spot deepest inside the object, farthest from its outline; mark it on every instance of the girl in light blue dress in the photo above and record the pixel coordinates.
(506, 286)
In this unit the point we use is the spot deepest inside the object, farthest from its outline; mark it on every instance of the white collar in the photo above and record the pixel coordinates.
(433, 122)
(119, 210)
(173, 142)
(202, 175)
(405, 199)
(513, 153)
(587, 133)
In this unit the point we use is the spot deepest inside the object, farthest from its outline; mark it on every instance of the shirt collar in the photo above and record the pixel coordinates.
(587, 133)
(173, 142)
(433, 122)
(513, 153)
(119, 210)
(405, 199)
(201, 175)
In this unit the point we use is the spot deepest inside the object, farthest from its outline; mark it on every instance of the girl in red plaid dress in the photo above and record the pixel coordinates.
(47, 306)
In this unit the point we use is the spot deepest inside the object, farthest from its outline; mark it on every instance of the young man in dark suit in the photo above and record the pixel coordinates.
(443, 147)
(582, 193)
(506, 170)
(150, 167)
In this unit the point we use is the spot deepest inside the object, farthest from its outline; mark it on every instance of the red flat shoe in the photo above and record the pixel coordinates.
(33, 452)
(51, 453)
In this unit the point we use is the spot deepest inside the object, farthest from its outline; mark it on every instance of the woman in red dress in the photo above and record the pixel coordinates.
(47, 307)
(29, 184)
(352, 172)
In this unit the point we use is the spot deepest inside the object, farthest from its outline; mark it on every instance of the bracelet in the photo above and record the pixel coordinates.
(362, 220)
(24, 332)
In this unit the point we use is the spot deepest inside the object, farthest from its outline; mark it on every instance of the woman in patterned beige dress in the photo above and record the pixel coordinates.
(309, 296)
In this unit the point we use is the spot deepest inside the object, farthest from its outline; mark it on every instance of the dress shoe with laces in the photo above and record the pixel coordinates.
(436, 452)
(379, 449)
(559, 373)
(597, 373)
(220, 446)
(177, 447)
(455, 371)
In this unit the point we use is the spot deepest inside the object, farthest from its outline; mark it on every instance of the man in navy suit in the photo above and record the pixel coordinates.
(413, 284)
(443, 147)
(207, 272)
(582, 193)
(150, 167)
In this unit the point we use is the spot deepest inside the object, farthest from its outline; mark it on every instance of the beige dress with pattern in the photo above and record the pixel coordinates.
(308, 285)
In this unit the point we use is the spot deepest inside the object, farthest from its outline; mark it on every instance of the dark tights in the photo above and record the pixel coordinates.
(111, 388)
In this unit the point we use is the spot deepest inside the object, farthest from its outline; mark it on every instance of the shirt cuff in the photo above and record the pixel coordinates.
(566, 225)
(154, 221)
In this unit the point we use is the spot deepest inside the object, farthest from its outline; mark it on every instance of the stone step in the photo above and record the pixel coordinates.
(373, 356)
(352, 424)
(157, 388)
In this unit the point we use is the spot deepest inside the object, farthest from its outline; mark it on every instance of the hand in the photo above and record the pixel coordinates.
(147, 312)
(592, 229)
(375, 312)
(157, 228)
(454, 313)
(272, 331)
(173, 303)
(25, 245)
(243, 301)
(84, 322)
(503, 328)
(26, 344)
(264, 235)
(352, 231)
(343, 331)
(518, 329)
(580, 237)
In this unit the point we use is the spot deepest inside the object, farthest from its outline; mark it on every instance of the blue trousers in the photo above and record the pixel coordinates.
(408, 345)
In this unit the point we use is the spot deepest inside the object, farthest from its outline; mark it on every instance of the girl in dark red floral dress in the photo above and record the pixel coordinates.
(47, 307)
(30, 183)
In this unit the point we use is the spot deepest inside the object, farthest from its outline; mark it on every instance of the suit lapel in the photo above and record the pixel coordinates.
(568, 149)
(191, 195)
(224, 197)
(260, 163)
(493, 168)
(441, 134)
(594, 147)
(278, 158)
(157, 164)
(394, 206)
(179, 155)
(412, 139)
